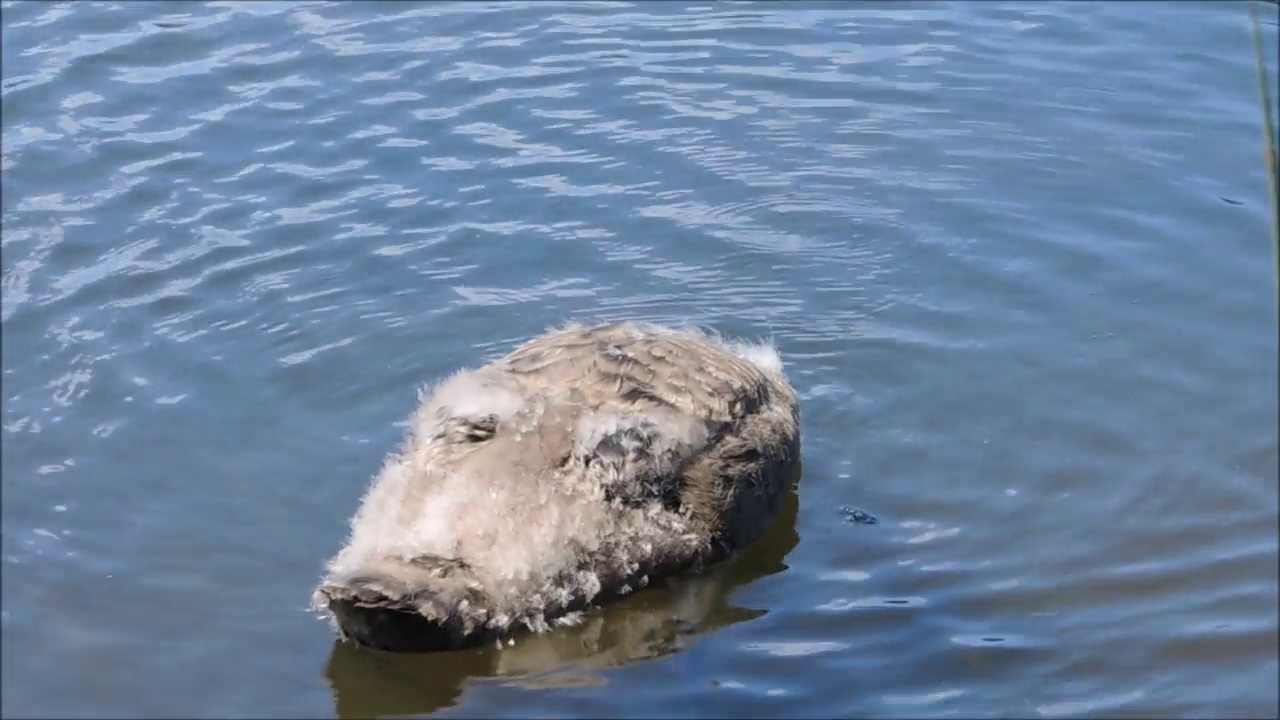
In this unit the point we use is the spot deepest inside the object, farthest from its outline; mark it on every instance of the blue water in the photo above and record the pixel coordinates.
(1015, 256)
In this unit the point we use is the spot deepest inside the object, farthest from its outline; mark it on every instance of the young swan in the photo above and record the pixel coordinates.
(573, 470)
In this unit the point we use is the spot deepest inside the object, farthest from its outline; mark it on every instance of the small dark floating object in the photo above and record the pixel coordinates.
(854, 515)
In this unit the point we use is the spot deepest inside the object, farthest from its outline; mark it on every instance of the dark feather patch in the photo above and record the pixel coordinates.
(634, 479)
(468, 429)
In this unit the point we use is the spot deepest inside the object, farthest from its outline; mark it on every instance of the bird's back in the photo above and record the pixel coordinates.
(579, 465)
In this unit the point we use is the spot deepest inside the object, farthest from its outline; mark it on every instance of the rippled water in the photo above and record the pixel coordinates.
(1014, 253)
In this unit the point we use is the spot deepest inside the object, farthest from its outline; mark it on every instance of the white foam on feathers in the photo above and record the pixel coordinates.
(762, 354)
(468, 393)
(670, 430)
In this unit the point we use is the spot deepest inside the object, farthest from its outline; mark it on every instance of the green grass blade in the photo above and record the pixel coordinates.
(1269, 148)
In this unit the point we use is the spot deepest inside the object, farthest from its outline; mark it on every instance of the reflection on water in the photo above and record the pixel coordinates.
(654, 622)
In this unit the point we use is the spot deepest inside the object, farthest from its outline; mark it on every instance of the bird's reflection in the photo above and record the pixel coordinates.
(655, 622)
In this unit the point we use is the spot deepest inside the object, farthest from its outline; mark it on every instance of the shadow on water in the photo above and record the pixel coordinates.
(658, 621)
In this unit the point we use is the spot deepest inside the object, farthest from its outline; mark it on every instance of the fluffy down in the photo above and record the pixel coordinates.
(578, 467)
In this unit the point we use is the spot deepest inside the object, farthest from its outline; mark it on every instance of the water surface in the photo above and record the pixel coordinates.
(1015, 256)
